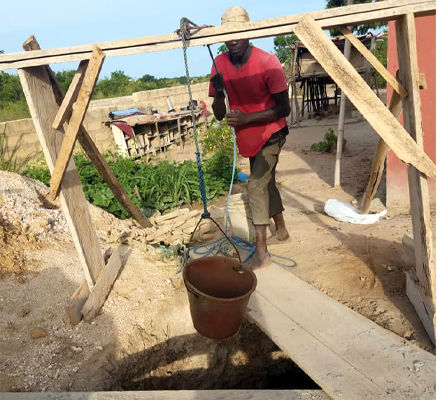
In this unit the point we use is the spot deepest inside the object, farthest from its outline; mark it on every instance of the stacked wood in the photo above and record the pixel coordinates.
(172, 229)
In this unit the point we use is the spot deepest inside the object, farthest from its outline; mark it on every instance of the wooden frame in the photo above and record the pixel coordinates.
(329, 18)
(383, 121)
(44, 98)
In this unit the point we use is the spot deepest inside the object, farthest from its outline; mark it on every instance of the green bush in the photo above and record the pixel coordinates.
(218, 149)
(162, 186)
(327, 144)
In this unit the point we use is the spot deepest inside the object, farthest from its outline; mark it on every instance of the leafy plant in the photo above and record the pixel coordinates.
(9, 160)
(217, 143)
(161, 186)
(327, 144)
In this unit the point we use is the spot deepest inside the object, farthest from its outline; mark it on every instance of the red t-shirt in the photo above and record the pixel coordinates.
(250, 88)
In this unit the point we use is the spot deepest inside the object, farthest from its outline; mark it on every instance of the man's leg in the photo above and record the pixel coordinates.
(262, 167)
(281, 229)
(276, 207)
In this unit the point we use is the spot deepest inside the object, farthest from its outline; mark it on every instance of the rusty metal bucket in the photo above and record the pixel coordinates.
(218, 291)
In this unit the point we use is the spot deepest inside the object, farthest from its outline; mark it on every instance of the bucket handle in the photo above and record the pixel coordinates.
(238, 268)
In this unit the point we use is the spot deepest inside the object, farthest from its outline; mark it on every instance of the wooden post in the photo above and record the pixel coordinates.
(379, 158)
(293, 84)
(43, 108)
(424, 274)
(340, 132)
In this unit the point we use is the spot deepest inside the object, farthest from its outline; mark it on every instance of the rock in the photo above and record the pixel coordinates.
(38, 333)
(409, 334)
(76, 349)
(25, 311)
(100, 348)
(418, 365)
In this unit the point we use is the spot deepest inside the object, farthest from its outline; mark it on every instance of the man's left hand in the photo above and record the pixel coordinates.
(236, 118)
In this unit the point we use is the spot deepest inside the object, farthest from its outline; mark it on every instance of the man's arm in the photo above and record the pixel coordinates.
(218, 104)
(279, 110)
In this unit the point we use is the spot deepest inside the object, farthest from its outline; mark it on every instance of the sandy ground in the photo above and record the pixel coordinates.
(143, 338)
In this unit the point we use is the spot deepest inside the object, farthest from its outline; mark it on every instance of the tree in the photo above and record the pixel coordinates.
(283, 47)
(360, 29)
(222, 49)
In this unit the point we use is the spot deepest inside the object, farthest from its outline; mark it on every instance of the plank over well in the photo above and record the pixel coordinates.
(346, 354)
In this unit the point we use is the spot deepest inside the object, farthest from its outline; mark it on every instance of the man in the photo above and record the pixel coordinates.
(258, 98)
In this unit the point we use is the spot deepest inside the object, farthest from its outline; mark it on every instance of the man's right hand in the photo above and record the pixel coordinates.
(217, 82)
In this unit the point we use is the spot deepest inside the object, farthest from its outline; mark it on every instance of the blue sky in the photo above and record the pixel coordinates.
(67, 23)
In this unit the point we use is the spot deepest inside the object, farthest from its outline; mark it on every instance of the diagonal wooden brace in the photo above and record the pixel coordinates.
(66, 107)
(367, 54)
(362, 96)
(83, 99)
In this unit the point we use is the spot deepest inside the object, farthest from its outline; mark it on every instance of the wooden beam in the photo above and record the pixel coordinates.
(391, 80)
(377, 168)
(417, 181)
(76, 119)
(328, 18)
(100, 291)
(362, 96)
(346, 354)
(40, 97)
(66, 107)
(228, 394)
(92, 151)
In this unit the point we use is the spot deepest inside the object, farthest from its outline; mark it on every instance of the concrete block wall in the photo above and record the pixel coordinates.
(98, 113)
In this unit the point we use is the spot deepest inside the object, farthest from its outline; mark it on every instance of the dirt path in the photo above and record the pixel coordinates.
(144, 337)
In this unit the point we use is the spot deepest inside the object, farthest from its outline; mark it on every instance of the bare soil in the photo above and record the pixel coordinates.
(143, 338)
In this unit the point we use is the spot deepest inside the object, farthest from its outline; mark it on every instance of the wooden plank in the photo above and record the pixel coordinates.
(43, 107)
(174, 395)
(377, 168)
(329, 18)
(92, 151)
(391, 80)
(77, 300)
(70, 97)
(332, 373)
(424, 308)
(401, 369)
(417, 182)
(84, 97)
(362, 96)
(101, 289)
